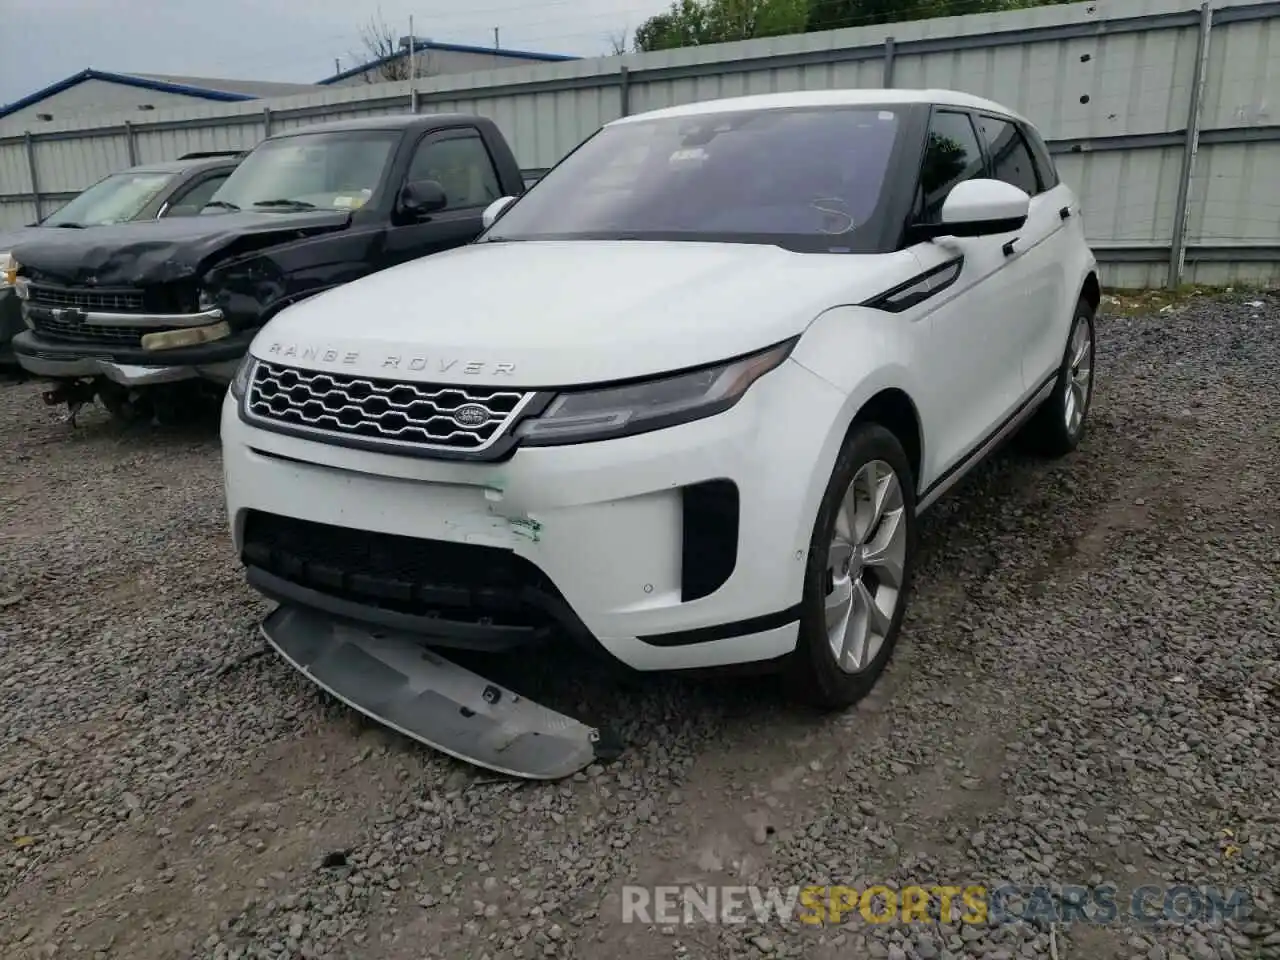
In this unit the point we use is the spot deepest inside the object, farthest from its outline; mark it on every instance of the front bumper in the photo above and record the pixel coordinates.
(680, 548)
(131, 367)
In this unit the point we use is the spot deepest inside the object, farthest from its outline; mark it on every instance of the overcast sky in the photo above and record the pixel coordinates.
(291, 40)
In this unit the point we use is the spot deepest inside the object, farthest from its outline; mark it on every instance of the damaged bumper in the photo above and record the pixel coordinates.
(130, 367)
(677, 549)
(396, 681)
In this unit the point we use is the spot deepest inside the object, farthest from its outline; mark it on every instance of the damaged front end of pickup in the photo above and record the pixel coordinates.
(152, 320)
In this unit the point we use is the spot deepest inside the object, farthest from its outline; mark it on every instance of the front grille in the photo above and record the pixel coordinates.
(451, 418)
(102, 301)
(453, 582)
(74, 331)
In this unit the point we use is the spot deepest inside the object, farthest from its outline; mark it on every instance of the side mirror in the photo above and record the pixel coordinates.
(979, 208)
(494, 210)
(420, 197)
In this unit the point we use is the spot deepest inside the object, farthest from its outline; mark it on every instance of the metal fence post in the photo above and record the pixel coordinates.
(131, 143)
(888, 62)
(624, 90)
(35, 176)
(1191, 143)
(266, 122)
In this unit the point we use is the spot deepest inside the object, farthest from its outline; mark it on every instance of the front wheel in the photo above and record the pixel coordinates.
(1058, 426)
(859, 572)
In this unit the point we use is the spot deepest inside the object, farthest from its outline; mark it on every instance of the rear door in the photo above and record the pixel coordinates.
(972, 343)
(1038, 246)
(459, 161)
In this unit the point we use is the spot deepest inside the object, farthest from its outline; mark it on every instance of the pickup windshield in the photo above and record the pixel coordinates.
(115, 199)
(335, 170)
(808, 179)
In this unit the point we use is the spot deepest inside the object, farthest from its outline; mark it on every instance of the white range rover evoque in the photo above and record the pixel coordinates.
(683, 401)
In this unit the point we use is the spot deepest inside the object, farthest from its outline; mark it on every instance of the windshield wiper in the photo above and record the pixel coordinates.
(295, 204)
(221, 205)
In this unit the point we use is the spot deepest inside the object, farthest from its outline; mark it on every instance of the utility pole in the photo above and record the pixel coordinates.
(413, 43)
(337, 66)
(496, 44)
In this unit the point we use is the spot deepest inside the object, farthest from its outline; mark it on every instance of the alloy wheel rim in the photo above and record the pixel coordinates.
(1079, 377)
(865, 564)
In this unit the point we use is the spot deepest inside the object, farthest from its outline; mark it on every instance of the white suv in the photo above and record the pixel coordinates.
(683, 401)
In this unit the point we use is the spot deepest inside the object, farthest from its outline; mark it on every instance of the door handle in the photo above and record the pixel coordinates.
(1065, 213)
(1008, 247)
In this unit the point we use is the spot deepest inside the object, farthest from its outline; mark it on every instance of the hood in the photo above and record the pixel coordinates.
(571, 312)
(161, 251)
(9, 239)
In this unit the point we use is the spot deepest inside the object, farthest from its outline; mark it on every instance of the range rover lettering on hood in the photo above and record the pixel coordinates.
(392, 362)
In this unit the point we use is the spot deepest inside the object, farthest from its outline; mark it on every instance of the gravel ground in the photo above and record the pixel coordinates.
(1088, 690)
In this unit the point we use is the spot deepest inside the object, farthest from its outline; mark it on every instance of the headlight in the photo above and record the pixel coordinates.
(244, 373)
(649, 405)
(8, 270)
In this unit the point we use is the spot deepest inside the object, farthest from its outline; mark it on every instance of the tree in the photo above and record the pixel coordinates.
(692, 23)
(836, 14)
(382, 47)
(617, 43)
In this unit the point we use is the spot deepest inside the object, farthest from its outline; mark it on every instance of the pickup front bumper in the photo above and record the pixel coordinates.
(130, 366)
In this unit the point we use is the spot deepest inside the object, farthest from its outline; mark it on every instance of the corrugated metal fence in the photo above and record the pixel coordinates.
(1158, 113)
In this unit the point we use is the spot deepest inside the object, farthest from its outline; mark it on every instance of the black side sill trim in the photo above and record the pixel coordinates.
(724, 631)
(918, 289)
(964, 460)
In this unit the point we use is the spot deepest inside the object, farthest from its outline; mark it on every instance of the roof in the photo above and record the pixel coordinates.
(825, 98)
(178, 166)
(390, 121)
(225, 91)
(429, 45)
(252, 88)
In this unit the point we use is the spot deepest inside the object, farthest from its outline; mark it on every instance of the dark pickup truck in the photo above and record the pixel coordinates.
(116, 311)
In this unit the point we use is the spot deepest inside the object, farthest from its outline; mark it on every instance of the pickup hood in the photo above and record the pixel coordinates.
(562, 313)
(162, 251)
(11, 238)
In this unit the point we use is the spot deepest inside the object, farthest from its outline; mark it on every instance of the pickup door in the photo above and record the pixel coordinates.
(459, 161)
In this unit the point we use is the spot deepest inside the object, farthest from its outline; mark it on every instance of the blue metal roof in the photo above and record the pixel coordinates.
(450, 48)
(143, 83)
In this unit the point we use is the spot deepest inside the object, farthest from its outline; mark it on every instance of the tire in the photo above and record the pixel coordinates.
(813, 674)
(1050, 433)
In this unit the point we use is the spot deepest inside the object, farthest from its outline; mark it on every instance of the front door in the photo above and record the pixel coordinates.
(970, 338)
(1041, 331)
(458, 160)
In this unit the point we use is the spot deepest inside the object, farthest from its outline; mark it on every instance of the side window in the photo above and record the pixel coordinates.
(189, 201)
(462, 166)
(1010, 156)
(952, 155)
(1044, 161)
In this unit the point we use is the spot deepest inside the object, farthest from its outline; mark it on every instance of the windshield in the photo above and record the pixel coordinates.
(120, 197)
(808, 179)
(339, 170)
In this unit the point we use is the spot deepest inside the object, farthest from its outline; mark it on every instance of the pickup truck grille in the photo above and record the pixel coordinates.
(76, 332)
(103, 301)
(396, 413)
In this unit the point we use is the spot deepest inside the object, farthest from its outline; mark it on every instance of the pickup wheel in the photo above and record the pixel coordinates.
(1058, 426)
(858, 576)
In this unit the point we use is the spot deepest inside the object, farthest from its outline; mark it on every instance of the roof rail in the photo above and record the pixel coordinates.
(207, 154)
